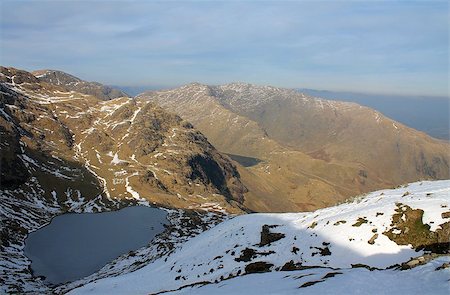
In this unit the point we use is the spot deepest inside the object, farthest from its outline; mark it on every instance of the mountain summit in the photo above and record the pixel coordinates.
(72, 83)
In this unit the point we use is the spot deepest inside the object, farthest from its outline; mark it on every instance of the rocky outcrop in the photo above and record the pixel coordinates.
(409, 229)
(258, 267)
(268, 237)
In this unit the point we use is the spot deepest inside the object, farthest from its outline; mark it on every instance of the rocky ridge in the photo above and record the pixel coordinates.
(313, 152)
(72, 83)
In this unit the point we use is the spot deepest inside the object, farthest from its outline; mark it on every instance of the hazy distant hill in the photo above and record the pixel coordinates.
(135, 90)
(429, 114)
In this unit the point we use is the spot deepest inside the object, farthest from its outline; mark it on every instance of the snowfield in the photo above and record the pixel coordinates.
(324, 249)
(420, 280)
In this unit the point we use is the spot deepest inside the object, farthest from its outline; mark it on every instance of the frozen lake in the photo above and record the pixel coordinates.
(73, 246)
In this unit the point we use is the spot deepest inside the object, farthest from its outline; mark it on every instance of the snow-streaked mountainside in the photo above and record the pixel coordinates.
(122, 143)
(368, 245)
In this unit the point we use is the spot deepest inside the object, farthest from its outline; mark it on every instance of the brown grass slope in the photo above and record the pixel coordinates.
(315, 152)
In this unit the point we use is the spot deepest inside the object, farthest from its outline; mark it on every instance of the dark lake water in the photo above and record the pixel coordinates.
(244, 161)
(73, 246)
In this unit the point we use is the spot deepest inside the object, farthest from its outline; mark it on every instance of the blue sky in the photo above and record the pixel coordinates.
(398, 47)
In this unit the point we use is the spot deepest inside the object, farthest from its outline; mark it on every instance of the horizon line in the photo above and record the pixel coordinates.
(298, 88)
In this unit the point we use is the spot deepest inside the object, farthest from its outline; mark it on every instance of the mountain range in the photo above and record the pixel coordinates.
(312, 152)
(304, 152)
(207, 154)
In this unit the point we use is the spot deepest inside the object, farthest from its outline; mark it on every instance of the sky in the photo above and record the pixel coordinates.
(396, 47)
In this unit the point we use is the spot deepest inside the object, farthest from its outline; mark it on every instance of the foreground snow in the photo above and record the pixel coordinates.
(331, 240)
(422, 280)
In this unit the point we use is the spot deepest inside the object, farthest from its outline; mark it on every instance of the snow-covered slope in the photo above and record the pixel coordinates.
(381, 230)
(421, 280)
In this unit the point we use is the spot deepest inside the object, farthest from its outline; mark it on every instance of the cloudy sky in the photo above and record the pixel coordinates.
(370, 46)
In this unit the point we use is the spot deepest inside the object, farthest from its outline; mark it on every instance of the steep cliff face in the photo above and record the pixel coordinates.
(314, 152)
